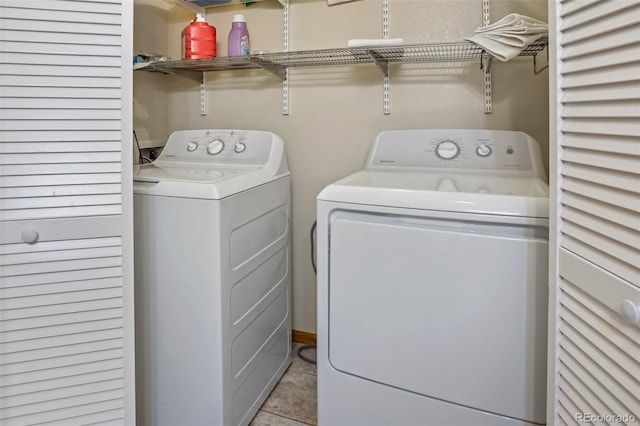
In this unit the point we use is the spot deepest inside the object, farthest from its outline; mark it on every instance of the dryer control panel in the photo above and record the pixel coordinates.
(457, 149)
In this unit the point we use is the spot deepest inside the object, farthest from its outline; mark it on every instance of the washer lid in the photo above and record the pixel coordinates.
(504, 194)
(191, 181)
(156, 172)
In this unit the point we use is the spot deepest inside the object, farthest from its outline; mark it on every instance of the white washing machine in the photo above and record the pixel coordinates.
(212, 277)
(432, 283)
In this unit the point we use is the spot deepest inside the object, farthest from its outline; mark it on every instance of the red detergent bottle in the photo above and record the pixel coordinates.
(199, 39)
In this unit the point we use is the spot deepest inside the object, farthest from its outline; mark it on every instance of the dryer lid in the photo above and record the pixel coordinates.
(489, 193)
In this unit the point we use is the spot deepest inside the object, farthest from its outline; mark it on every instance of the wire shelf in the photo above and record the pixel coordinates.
(277, 63)
(213, 3)
(210, 64)
(199, 6)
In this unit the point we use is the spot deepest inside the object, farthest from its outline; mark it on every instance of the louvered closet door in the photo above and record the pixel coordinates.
(596, 365)
(66, 329)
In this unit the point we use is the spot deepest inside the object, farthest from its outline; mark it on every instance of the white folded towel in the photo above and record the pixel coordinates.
(509, 36)
(517, 23)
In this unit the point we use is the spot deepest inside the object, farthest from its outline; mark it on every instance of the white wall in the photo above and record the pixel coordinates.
(150, 101)
(336, 112)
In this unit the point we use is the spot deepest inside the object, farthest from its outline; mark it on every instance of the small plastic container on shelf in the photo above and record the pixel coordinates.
(199, 39)
(238, 43)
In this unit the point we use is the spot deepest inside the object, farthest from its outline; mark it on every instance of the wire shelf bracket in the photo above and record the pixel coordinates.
(275, 69)
(537, 70)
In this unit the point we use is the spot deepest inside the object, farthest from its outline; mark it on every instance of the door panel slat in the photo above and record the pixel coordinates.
(596, 129)
(65, 343)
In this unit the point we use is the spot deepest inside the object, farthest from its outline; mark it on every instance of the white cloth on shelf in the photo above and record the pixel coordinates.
(374, 42)
(332, 2)
(516, 23)
(509, 36)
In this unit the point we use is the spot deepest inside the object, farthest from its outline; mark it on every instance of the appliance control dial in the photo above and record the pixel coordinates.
(240, 147)
(215, 147)
(447, 150)
(192, 146)
(483, 150)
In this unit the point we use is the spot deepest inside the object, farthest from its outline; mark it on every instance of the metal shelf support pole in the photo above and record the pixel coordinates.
(285, 48)
(386, 85)
(203, 95)
(486, 62)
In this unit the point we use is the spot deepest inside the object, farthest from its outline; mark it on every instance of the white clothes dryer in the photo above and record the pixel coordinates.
(212, 277)
(432, 283)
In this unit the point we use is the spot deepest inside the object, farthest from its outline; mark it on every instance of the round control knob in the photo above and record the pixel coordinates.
(29, 235)
(447, 150)
(215, 147)
(192, 146)
(483, 150)
(240, 147)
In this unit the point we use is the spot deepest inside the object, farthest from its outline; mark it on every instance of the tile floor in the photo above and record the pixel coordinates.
(293, 402)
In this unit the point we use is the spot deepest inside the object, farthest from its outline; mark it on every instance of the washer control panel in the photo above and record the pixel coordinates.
(457, 148)
(233, 147)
